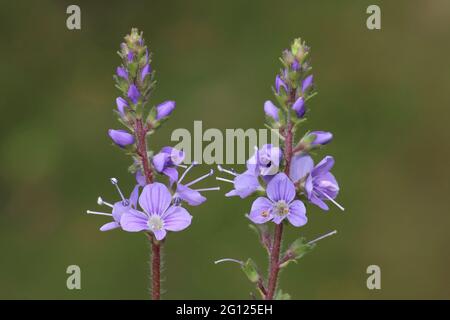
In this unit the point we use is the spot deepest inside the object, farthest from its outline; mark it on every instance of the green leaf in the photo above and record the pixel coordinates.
(296, 251)
(282, 296)
(250, 270)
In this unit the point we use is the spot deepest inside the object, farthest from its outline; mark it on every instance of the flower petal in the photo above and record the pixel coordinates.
(176, 218)
(155, 198)
(245, 185)
(192, 197)
(324, 166)
(118, 210)
(281, 188)
(261, 210)
(172, 173)
(159, 161)
(160, 234)
(134, 221)
(297, 214)
(109, 226)
(301, 165)
(318, 202)
(134, 196)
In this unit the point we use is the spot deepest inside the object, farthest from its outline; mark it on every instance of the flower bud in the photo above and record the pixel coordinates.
(307, 83)
(317, 138)
(164, 109)
(121, 137)
(121, 105)
(299, 107)
(122, 73)
(133, 93)
(271, 110)
(280, 83)
(145, 71)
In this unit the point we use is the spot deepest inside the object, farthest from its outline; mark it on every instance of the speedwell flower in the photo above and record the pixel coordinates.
(279, 204)
(158, 215)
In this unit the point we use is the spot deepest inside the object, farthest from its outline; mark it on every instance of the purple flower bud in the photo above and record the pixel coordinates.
(296, 65)
(121, 105)
(130, 56)
(133, 93)
(122, 72)
(280, 83)
(164, 109)
(322, 137)
(299, 107)
(307, 83)
(121, 137)
(271, 110)
(145, 71)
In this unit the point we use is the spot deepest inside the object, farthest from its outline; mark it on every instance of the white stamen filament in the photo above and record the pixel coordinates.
(98, 213)
(208, 189)
(101, 202)
(186, 171)
(222, 169)
(210, 173)
(181, 166)
(228, 260)
(225, 180)
(323, 237)
(332, 200)
(115, 182)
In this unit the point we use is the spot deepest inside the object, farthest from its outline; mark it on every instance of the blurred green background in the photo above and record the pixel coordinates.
(384, 94)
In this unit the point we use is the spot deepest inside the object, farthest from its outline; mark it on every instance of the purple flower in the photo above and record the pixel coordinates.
(145, 71)
(166, 160)
(265, 161)
(121, 105)
(321, 137)
(307, 83)
(133, 93)
(280, 83)
(317, 182)
(271, 110)
(299, 107)
(121, 137)
(295, 65)
(158, 215)
(279, 204)
(130, 56)
(122, 72)
(164, 109)
(118, 208)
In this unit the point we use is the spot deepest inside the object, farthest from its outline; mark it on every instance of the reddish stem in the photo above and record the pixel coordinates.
(141, 145)
(274, 266)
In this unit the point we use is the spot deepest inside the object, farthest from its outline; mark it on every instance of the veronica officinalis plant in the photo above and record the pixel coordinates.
(156, 205)
(285, 180)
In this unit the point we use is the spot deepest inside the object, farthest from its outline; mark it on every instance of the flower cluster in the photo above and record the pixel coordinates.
(156, 204)
(285, 178)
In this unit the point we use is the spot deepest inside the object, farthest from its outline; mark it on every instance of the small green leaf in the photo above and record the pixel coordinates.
(250, 270)
(296, 251)
(282, 296)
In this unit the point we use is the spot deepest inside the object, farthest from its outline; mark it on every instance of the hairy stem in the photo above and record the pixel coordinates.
(141, 144)
(274, 266)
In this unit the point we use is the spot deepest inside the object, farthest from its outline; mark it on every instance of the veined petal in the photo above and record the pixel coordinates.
(176, 218)
(301, 165)
(155, 198)
(134, 221)
(281, 188)
(297, 213)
